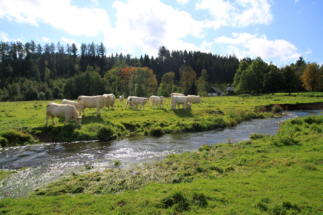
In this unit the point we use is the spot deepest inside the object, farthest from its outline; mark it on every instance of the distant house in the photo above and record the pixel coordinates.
(213, 92)
(230, 89)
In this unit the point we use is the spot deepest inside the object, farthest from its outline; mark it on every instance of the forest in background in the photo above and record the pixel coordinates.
(31, 72)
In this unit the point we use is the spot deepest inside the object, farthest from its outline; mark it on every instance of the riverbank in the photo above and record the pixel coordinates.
(215, 112)
(268, 174)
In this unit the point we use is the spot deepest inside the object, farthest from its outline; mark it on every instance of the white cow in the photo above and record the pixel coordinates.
(112, 100)
(157, 100)
(129, 102)
(121, 98)
(188, 105)
(62, 110)
(79, 108)
(195, 99)
(174, 94)
(177, 100)
(97, 102)
(139, 101)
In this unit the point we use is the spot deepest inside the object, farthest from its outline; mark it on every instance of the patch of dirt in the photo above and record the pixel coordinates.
(299, 106)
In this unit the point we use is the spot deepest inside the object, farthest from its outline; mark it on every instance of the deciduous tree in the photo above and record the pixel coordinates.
(188, 76)
(312, 77)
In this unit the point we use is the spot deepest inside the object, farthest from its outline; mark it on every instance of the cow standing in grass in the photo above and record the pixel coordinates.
(111, 102)
(139, 101)
(157, 100)
(97, 102)
(174, 94)
(195, 99)
(129, 102)
(121, 98)
(79, 108)
(62, 110)
(177, 100)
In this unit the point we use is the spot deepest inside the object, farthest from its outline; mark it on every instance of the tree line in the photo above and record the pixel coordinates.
(30, 72)
(257, 76)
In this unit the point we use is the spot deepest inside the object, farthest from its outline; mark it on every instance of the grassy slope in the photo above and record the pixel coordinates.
(24, 115)
(266, 175)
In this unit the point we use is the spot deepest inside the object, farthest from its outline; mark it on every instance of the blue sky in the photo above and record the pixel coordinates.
(276, 30)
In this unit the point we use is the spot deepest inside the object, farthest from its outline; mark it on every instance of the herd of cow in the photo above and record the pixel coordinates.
(72, 110)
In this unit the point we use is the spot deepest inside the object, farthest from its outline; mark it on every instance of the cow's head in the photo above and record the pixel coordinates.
(78, 120)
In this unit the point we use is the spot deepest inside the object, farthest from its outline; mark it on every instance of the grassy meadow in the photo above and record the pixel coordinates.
(280, 174)
(215, 112)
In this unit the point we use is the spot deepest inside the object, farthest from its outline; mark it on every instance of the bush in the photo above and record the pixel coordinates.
(277, 109)
(178, 200)
(204, 147)
(16, 137)
(199, 199)
(3, 141)
(116, 162)
(156, 131)
(48, 95)
(41, 96)
(106, 133)
(260, 109)
(56, 92)
(60, 96)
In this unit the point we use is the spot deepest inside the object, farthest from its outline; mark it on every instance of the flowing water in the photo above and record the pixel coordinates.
(47, 162)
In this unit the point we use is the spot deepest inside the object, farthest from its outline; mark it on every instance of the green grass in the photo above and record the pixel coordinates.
(215, 112)
(279, 174)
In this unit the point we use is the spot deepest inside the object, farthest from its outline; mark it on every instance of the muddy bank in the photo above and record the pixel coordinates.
(299, 106)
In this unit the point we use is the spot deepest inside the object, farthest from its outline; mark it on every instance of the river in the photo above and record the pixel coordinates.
(49, 161)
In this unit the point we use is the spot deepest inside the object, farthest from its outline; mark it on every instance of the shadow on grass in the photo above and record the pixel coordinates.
(85, 120)
(183, 113)
(91, 119)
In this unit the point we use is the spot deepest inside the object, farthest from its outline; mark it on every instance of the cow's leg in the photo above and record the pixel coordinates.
(153, 104)
(83, 112)
(53, 120)
(184, 105)
(97, 110)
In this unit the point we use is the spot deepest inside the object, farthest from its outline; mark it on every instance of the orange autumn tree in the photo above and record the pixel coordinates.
(138, 81)
(125, 79)
(312, 77)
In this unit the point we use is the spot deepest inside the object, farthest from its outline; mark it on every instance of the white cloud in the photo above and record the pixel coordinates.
(46, 39)
(71, 41)
(182, 1)
(244, 44)
(149, 24)
(296, 1)
(4, 36)
(61, 14)
(240, 13)
(309, 51)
